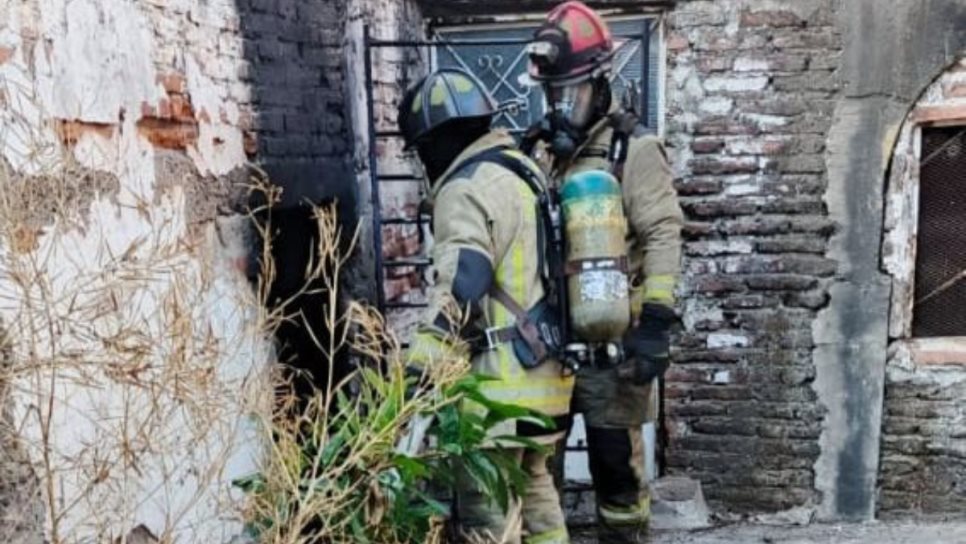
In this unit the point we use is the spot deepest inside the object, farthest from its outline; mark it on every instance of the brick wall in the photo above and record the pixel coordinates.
(923, 464)
(750, 92)
(773, 399)
(923, 452)
(393, 70)
(293, 81)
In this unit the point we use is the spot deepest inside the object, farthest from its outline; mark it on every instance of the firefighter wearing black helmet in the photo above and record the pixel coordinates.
(488, 286)
(570, 57)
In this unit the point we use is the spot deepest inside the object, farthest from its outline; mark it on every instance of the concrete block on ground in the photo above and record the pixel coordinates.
(677, 503)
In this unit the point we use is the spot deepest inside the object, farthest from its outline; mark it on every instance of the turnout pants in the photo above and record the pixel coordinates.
(533, 518)
(614, 411)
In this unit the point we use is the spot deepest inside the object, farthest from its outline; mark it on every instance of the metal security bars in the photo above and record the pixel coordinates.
(497, 58)
(940, 276)
(499, 67)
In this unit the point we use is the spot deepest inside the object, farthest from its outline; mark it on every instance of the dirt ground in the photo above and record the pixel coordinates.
(897, 532)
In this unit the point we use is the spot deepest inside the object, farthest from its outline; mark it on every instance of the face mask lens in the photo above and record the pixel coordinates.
(573, 102)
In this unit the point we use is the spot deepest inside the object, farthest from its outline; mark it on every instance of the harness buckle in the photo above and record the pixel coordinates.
(491, 334)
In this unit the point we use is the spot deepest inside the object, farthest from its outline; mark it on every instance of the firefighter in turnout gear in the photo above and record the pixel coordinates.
(486, 229)
(570, 57)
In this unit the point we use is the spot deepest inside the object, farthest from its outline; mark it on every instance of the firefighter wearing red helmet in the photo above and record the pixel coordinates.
(570, 57)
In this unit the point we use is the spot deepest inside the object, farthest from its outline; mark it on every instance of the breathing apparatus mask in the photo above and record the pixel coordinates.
(573, 109)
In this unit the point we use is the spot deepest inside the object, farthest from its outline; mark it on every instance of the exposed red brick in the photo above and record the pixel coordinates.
(249, 144)
(773, 18)
(721, 126)
(696, 229)
(708, 64)
(167, 133)
(938, 114)
(707, 146)
(245, 120)
(203, 116)
(172, 82)
(164, 109)
(70, 130)
(719, 166)
(954, 90)
(774, 147)
(181, 109)
(6, 53)
(697, 186)
(677, 42)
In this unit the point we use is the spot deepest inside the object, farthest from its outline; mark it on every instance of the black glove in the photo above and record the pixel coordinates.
(647, 345)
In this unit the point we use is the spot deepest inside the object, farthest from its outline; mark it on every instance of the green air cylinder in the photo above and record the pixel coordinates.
(596, 266)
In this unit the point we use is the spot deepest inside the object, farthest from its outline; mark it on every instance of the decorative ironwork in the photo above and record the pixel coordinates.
(495, 55)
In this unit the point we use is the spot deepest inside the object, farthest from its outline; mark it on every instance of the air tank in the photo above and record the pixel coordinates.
(596, 256)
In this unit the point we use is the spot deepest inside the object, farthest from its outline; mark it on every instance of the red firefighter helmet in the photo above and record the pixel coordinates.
(572, 45)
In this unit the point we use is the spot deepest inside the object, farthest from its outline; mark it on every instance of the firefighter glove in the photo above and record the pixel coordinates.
(647, 345)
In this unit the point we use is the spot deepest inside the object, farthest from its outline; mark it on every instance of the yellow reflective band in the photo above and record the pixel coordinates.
(504, 352)
(659, 289)
(552, 400)
(501, 318)
(627, 515)
(428, 348)
(523, 381)
(555, 405)
(518, 288)
(555, 536)
(637, 300)
(534, 400)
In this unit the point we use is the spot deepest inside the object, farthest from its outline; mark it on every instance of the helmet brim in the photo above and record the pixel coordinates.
(427, 135)
(530, 79)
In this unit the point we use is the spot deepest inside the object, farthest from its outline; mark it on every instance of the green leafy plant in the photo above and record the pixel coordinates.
(337, 476)
(335, 472)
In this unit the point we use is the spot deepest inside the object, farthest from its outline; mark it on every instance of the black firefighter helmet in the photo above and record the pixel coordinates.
(445, 96)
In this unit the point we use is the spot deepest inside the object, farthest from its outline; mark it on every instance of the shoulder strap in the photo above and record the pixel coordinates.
(622, 125)
(502, 156)
(515, 162)
(524, 326)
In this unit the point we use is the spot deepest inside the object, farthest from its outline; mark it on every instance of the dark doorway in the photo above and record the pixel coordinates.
(295, 71)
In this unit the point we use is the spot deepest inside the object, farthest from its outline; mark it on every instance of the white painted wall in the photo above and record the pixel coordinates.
(143, 412)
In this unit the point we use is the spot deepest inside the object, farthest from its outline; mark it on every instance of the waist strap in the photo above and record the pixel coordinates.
(523, 328)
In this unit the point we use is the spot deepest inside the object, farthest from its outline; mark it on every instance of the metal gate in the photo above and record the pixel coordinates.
(940, 289)
(493, 62)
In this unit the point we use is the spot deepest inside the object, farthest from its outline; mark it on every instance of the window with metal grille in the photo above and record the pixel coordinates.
(499, 67)
(940, 283)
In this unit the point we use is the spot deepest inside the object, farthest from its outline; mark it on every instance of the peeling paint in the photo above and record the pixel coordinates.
(122, 142)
